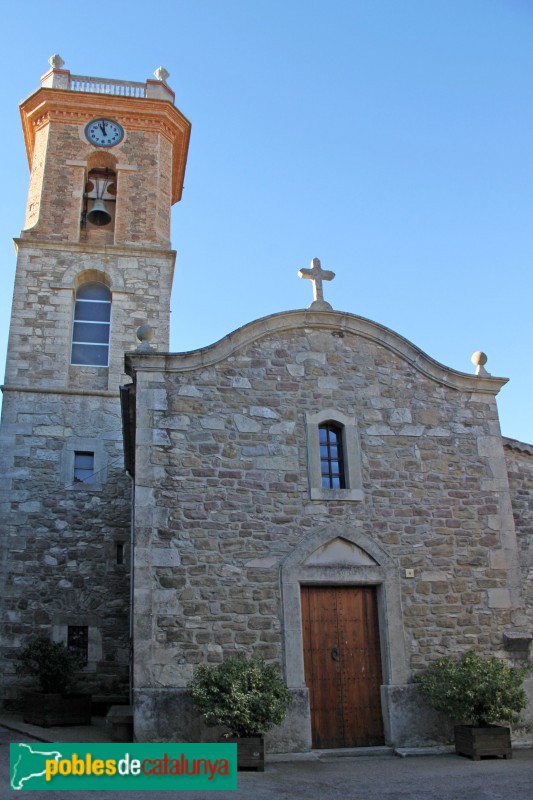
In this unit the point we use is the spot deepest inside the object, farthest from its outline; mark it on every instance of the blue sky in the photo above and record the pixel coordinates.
(392, 139)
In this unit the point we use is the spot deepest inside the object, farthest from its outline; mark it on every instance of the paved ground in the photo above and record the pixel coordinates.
(98, 731)
(383, 777)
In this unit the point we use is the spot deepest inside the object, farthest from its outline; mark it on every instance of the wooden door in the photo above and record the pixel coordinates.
(342, 665)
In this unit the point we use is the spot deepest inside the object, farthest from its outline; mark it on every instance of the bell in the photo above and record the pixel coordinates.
(99, 215)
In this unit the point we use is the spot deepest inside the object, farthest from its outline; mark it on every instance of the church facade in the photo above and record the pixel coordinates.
(315, 490)
(312, 489)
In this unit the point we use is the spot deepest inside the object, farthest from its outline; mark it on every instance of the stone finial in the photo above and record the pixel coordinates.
(479, 360)
(56, 62)
(145, 334)
(56, 77)
(162, 74)
(317, 275)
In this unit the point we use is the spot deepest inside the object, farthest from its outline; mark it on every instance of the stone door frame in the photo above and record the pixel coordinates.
(381, 571)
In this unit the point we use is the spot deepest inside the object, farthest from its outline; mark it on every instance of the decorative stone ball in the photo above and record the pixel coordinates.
(479, 359)
(145, 333)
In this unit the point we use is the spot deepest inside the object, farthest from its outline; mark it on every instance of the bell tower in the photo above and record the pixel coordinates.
(94, 262)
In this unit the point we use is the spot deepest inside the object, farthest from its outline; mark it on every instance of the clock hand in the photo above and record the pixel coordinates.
(102, 128)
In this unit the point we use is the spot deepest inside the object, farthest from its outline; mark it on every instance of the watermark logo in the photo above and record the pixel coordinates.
(123, 766)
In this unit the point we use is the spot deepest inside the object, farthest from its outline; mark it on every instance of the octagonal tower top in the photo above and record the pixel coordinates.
(107, 158)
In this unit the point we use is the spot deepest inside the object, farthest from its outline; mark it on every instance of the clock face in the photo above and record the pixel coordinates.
(104, 132)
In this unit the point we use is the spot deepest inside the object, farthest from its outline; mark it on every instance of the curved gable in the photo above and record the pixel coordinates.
(332, 321)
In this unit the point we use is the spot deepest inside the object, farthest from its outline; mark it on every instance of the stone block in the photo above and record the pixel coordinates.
(165, 557)
(499, 598)
(409, 721)
(517, 642)
(263, 412)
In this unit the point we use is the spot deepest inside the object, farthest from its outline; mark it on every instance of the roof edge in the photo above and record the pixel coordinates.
(324, 320)
(515, 444)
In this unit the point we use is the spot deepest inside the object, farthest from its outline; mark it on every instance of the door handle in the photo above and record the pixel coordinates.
(335, 653)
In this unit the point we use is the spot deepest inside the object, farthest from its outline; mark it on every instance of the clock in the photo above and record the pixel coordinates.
(104, 132)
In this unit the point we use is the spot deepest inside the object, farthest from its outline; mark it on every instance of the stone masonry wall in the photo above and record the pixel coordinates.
(57, 185)
(144, 199)
(59, 564)
(59, 541)
(222, 496)
(33, 206)
(43, 303)
(519, 458)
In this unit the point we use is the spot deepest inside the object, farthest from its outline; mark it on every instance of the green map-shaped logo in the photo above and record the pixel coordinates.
(121, 766)
(31, 763)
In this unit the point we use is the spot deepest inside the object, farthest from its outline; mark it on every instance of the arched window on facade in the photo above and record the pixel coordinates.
(91, 327)
(331, 456)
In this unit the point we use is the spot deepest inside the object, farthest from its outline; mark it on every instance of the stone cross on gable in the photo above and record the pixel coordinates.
(317, 275)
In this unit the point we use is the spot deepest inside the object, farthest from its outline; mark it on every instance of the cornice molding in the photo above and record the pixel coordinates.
(98, 249)
(515, 444)
(316, 320)
(54, 390)
(135, 113)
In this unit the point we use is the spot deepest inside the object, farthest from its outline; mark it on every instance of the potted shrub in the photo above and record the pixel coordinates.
(54, 666)
(246, 696)
(477, 692)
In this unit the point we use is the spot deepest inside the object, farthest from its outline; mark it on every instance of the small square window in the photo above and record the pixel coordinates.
(78, 641)
(83, 467)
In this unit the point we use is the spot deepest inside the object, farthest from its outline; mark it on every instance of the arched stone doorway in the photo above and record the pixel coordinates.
(343, 633)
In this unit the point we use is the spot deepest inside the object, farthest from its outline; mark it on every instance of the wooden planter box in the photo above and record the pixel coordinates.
(48, 710)
(250, 752)
(476, 743)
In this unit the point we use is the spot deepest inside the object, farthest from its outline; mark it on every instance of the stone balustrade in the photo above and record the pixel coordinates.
(83, 83)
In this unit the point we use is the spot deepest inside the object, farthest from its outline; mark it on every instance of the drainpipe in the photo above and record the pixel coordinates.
(132, 540)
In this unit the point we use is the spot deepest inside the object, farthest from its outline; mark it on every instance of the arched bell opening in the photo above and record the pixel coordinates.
(99, 199)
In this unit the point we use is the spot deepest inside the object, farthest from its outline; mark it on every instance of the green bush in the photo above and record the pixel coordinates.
(474, 689)
(247, 696)
(50, 662)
